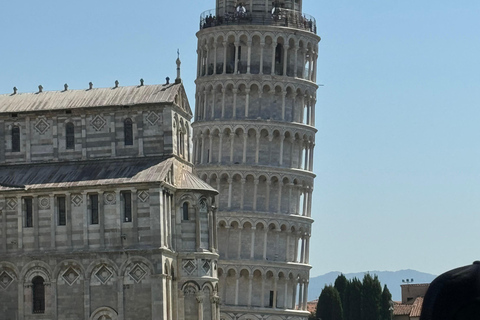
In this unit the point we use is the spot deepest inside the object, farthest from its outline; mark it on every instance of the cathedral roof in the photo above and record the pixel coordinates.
(96, 173)
(91, 98)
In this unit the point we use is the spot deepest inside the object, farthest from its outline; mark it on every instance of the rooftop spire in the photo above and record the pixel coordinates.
(179, 79)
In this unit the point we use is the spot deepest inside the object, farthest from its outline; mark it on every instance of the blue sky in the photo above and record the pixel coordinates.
(397, 152)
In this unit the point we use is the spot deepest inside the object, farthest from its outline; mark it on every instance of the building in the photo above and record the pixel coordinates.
(410, 307)
(101, 215)
(254, 136)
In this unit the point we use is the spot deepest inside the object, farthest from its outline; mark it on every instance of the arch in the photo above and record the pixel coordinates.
(36, 268)
(132, 261)
(104, 313)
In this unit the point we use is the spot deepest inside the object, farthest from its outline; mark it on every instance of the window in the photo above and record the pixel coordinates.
(94, 208)
(185, 211)
(38, 294)
(127, 206)
(69, 136)
(270, 302)
(28, 212)
(62, 215)
(15, 139)
(128, 131)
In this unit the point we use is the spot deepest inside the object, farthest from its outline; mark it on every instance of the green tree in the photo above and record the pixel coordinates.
(385, 304)
(329, 305)
(353, 309)
(371, 294)
(341, 284)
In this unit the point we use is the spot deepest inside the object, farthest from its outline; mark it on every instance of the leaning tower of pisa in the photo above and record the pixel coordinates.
(254, 135)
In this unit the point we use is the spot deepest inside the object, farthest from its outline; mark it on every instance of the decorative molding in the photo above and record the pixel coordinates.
(44, 203)
(152, 118)
(98, 122)
(11, 203)
(77, 200)
(137, 273)
(70, 276)
(189, 266)
(42, 125)
(143, 195)
(110, 198)
(103, 274)
(5, 280)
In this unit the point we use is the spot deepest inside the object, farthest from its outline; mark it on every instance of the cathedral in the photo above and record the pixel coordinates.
(113, 205)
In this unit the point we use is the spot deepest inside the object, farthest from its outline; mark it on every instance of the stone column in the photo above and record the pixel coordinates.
(295, 64)
(223, 102)
(284, 96)
(230, 187)
(307, 249)
(224, 57)
(232, 145)
(249, 58)
(265, 243)
(262, 47)
(212, 114)
(242, 193)
(202, 150)
(273, 57)
(247, 101)
(220, 136)
(305, 295)
(236, 288)
(279, 203)
(200, 306)
(255, 190)
(275, 283)
(205, 103)
(252, 245)
(236, 57)
(210, 149)
(257, 148)
(300, 295)
(282, 139)
(234, 109)
(285, 58)
(215, 46)
(250, 287)
(245, 140)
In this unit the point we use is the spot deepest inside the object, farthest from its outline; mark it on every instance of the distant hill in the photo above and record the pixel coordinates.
(393, 280)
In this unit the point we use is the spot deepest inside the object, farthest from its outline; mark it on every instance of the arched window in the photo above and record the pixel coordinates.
(15, 139)
(185, 211)
(128, 131)
(38, 294)
(69, 136)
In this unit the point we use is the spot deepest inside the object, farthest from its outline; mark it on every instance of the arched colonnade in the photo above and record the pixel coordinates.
(252, 145)
(254, 99)
(263, 287)
(242, 52)
(262, 193)
(260, 240)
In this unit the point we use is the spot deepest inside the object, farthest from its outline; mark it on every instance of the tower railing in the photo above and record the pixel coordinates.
(278, 17)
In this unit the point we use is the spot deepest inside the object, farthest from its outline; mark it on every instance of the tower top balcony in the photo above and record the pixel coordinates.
(279, 17)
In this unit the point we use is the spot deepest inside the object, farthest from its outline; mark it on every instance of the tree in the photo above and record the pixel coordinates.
(353, 309)
(329, 305)
(371, 294)
(341, 284)
(385, 304)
